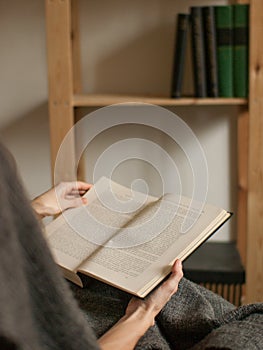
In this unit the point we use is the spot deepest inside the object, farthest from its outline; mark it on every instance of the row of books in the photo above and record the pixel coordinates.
(219, 42)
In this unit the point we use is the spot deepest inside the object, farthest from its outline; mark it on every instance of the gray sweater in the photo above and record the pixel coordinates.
(37, 309)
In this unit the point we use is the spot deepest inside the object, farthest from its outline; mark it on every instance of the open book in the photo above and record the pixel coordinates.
(127, 239)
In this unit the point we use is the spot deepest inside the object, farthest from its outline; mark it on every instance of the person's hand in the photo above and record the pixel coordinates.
(61, 197)
(157, 299)
(140, 314)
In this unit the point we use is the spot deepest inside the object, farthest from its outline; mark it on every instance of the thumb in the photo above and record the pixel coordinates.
(74, 203)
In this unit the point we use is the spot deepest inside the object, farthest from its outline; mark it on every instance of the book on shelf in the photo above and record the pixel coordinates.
(198, 51)
(179, 53)
(220, 48)
(210, 50)
(224, 32)
(133, 246)
(240, 49)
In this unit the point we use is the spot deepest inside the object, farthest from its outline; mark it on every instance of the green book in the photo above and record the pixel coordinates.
(240, 53)
(224, 32)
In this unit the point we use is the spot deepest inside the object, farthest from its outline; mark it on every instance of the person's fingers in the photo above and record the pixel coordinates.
(83, 186)
(163, 294)
(177, 269)
(171, 284)
(76, 202)
(75, 188)
(74, 194)
(84, 201)
(157, 299)
(72, 203)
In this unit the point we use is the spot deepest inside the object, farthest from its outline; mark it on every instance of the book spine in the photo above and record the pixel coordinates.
(199, 65)
(224, 32)
(180, 54)
(211, 50)
(240, 49)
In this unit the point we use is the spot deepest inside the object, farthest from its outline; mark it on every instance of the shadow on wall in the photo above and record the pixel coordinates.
(216, 135)
(143, 65)
(217, 132)
(27, 138)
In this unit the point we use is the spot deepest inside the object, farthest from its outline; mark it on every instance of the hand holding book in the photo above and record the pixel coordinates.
(61, 197)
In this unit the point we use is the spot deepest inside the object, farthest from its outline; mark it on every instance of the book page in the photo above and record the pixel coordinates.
(140, 267)
(79, 232)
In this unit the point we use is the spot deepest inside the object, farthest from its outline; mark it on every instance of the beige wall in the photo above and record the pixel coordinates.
(23, 90)
(126, 47)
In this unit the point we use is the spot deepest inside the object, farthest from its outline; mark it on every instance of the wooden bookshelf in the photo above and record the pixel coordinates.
(80, 100)
(65, 94)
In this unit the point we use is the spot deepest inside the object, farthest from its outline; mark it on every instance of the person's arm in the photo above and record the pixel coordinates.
(140, 314)
(61, 197)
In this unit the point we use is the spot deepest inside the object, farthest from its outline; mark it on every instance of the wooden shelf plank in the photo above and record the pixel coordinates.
(82, 100)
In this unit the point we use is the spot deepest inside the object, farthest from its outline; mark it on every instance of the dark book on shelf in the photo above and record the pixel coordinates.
(211, 50)
(179, 53)
(224, 32)
(198, 51)
(240, 49)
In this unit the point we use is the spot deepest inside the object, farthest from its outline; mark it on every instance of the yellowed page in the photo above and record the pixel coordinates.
(138, 269)
(72, 237)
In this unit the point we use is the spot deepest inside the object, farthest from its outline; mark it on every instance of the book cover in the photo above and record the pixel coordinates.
(211, 50)
(240, 49)
(179, 53)
(224, 32)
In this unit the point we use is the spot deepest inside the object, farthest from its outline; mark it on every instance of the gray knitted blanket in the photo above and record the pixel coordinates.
(194, 318)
